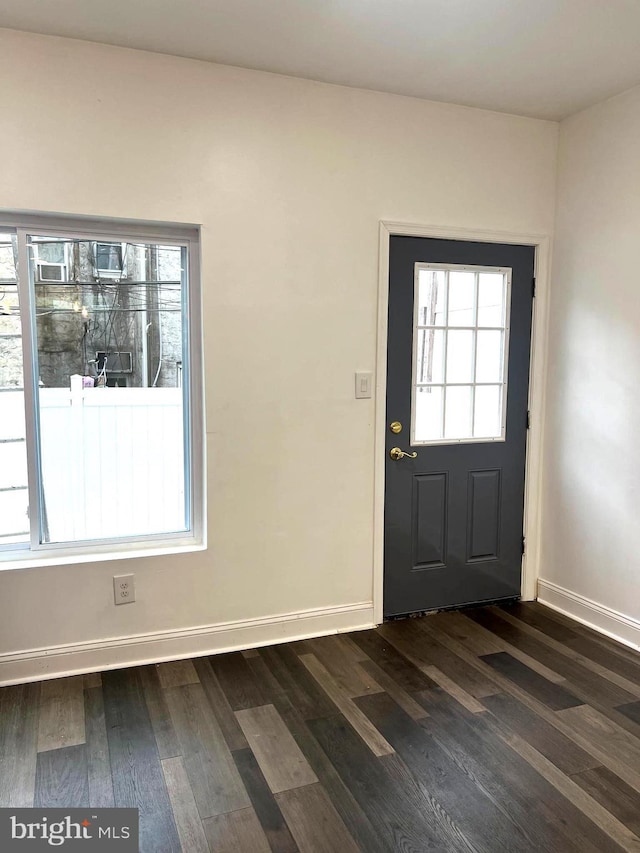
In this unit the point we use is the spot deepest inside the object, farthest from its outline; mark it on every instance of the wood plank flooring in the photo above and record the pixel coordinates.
(486, 730)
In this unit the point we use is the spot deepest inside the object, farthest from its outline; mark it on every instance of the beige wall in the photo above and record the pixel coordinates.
(592, 493)
(289, 180)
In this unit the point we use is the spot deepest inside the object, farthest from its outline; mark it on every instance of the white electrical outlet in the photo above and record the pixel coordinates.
(124, 589)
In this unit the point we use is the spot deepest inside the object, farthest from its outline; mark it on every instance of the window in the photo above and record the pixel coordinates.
(109, 259)
(50, 261)
(460, 346)
(100, 393)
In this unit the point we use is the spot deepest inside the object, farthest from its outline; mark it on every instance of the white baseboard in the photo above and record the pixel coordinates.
(77, 658)
(624, 629)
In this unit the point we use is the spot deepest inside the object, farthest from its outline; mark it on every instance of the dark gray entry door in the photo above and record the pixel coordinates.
(457, 391)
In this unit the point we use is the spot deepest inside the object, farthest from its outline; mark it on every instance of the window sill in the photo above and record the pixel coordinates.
(129, 551)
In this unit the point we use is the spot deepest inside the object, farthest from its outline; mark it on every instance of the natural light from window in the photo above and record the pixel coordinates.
(96, 430)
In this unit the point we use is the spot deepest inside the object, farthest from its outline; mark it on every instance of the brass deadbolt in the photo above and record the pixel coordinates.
(395, 427)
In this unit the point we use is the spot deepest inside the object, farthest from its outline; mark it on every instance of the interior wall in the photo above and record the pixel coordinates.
(289, 180)
(592, 465)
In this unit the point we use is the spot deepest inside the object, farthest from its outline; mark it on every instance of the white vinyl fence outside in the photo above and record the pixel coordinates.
(112, 461)
(14, 498)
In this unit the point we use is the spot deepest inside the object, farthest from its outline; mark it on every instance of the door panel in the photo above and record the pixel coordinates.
(429, 506)
(457, 381)
(483, 515)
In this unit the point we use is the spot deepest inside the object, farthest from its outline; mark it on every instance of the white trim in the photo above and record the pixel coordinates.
(533, 491)
(163, 546)
(625, 629)
(93, 227)
(76, 658)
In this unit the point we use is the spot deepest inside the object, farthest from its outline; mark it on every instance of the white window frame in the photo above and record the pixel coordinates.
(62, 265)
(416, 327)
(193, 538)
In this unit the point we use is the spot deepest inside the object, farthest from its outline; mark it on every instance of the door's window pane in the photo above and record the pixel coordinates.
(489, 356)
(430, 356)
(428, 415)
(490, 299)
(432, 293)
(461, 298)
(14, 495)
(459, 390)
(460, 356)
(487, 411)
(111, 402)
(457, 418)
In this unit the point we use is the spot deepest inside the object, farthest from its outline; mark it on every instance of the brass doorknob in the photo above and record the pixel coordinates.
(395, 453)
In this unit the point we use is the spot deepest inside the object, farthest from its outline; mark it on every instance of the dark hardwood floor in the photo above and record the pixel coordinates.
(493, 729)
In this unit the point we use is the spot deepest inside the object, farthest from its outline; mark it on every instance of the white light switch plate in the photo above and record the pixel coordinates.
(363, 385)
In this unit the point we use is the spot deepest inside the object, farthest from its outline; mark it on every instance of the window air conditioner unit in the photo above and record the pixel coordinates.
(114, 362)
(51, 272)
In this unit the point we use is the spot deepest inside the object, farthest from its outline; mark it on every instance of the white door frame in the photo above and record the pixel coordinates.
(537, 385)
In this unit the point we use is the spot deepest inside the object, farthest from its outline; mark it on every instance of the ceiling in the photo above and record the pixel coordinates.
(541, 58)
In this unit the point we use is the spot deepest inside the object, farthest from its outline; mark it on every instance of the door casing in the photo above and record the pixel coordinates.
(537, 374)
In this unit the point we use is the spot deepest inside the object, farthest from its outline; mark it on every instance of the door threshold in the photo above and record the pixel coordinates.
(418, 614)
